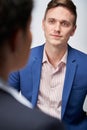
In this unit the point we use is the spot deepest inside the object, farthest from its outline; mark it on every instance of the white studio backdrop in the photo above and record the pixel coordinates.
(78, 41)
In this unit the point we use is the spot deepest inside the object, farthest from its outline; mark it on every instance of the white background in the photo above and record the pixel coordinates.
(78, 41)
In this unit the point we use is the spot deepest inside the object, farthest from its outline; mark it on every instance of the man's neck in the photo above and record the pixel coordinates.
(55, 54)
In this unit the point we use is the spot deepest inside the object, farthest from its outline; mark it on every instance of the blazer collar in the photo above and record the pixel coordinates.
(36, 73)
(70, 72)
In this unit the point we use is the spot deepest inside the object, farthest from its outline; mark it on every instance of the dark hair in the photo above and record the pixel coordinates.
(14, 14)
(65, 3)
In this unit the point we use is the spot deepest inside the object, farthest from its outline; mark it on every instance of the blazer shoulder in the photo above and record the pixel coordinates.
(78, 54)
(36, 49)
(81, 55)
(35, 53)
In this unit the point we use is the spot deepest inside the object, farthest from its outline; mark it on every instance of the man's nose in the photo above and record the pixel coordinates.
(57, 27)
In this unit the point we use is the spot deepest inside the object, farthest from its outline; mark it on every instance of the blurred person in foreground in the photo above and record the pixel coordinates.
(15, 42)
(55, 78)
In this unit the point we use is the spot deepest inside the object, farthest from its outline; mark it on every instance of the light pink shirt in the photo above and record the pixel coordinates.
(51, 87)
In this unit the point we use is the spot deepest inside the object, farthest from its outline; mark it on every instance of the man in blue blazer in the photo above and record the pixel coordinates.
(55, 77)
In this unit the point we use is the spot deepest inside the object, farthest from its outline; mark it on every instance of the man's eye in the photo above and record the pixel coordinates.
(51, 21)
(65, 24)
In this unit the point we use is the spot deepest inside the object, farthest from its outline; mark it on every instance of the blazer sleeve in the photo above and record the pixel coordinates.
(14, 80)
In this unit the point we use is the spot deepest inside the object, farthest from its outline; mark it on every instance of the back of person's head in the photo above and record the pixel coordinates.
(14, 15)
(64, 3)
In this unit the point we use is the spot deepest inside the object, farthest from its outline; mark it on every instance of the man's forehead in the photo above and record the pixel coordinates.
(59, 13)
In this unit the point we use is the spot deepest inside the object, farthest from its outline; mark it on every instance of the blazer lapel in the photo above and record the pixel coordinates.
(36, 73)
(70, 72)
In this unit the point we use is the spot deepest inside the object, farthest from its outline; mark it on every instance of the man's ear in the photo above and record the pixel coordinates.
(15, 40)
(43, 24)
(73, 31)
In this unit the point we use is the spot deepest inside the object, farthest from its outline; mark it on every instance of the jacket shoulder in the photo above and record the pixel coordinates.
(79, 55)
(35, 53)
(36, 50)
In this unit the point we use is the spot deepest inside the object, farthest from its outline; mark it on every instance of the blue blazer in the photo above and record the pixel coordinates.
(27, 80)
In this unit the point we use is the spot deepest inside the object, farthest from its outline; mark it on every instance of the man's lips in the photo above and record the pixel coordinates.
(56, 35)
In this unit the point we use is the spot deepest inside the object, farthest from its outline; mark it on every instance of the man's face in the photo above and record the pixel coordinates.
(58, 26)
